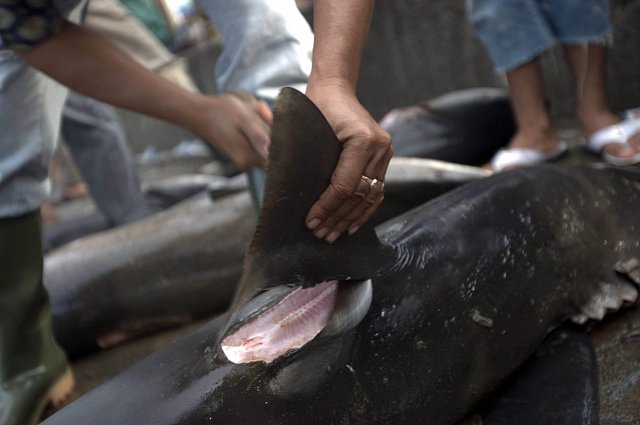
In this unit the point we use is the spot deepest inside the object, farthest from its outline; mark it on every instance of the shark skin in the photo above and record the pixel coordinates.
(161, 271)
(557, 385)
(465, 126)
(465, 289)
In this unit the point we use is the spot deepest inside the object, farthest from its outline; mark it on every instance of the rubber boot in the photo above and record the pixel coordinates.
(33, 369)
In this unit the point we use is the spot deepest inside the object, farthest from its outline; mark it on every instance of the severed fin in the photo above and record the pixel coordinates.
(557, 385)
(303, 155)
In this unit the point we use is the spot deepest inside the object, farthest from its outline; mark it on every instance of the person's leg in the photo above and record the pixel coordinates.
(99, 147)
(587, 64)
(33, 369)
(516, 33)
(526, 89)
(267, 46)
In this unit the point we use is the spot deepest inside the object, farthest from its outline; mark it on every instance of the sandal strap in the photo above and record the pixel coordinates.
(617, 133)
(505, 158)
(512, 157)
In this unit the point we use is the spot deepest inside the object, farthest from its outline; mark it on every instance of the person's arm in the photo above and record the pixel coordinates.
(89, 64)
(341, 28)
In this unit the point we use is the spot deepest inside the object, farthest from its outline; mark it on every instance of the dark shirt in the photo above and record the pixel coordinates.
(25, 23)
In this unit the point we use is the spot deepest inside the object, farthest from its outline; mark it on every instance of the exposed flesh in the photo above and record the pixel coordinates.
(289, 325)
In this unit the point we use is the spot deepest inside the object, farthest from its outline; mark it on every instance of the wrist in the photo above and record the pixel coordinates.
(196, 112)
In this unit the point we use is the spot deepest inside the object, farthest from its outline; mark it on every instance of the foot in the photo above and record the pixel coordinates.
(594, 122)
(527, 147)
(26, 398)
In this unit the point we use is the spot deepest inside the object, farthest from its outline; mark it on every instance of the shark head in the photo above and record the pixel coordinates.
(295, 286)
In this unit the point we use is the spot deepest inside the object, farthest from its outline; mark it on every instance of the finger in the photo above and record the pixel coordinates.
(386, 160)
(258, 136)
(354, 215)
(334, 225)
(355, 226)
(264, 112)
(328, 227)
(345, 217)
(368, 207)
(377, 167)
(343, 184)
(243, 154)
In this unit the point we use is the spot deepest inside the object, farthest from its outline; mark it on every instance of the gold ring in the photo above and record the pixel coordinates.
(373, 183)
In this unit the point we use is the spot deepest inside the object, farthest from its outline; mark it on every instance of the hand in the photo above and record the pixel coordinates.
(238, 125)
(353, 196)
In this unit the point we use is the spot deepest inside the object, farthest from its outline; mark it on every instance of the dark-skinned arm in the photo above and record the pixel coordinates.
(86, 62)
(341, 28)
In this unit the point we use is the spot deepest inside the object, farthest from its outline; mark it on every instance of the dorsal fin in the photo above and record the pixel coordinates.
(303, 155)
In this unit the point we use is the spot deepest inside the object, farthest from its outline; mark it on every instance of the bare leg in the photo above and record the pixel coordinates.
(526, 89)
(587, 64)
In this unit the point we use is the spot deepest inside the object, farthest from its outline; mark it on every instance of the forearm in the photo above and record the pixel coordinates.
(341, 28)
(87, 63)
(353, 195)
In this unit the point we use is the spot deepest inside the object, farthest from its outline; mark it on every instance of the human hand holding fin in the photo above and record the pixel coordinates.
(238, 125)
(356, 189)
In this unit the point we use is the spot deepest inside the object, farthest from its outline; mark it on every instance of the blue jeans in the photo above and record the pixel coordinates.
(96, 140)
(516, 31)
(267, 46)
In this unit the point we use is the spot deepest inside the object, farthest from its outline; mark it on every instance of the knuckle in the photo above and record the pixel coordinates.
(354, 200)
(342, 191)
(384, 140)
(340, 214)
(390, 150)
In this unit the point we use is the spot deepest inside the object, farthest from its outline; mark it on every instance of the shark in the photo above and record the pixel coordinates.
(417, 321)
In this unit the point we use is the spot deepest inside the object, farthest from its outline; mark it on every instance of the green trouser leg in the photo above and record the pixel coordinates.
(33, 369)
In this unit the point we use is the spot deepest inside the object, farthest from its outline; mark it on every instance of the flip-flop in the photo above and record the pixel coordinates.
(633, 113)
(520, 157)
(619, 133)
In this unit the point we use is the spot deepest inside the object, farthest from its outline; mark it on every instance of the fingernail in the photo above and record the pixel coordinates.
(321, 233)
(353, 230)
(332, 237)
(313, 223)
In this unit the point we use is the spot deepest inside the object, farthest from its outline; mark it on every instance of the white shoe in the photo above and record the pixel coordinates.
(619, 133)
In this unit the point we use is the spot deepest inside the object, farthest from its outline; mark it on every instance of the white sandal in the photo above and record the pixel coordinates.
(519, 157)
(619, 133)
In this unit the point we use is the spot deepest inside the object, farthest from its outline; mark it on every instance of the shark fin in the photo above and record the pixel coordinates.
(303, 155)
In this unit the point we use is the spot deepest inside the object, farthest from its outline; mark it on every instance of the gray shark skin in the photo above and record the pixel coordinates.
(161, 271)
(466, 126)
(411, 182)
(465, 288)
(159, 195)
